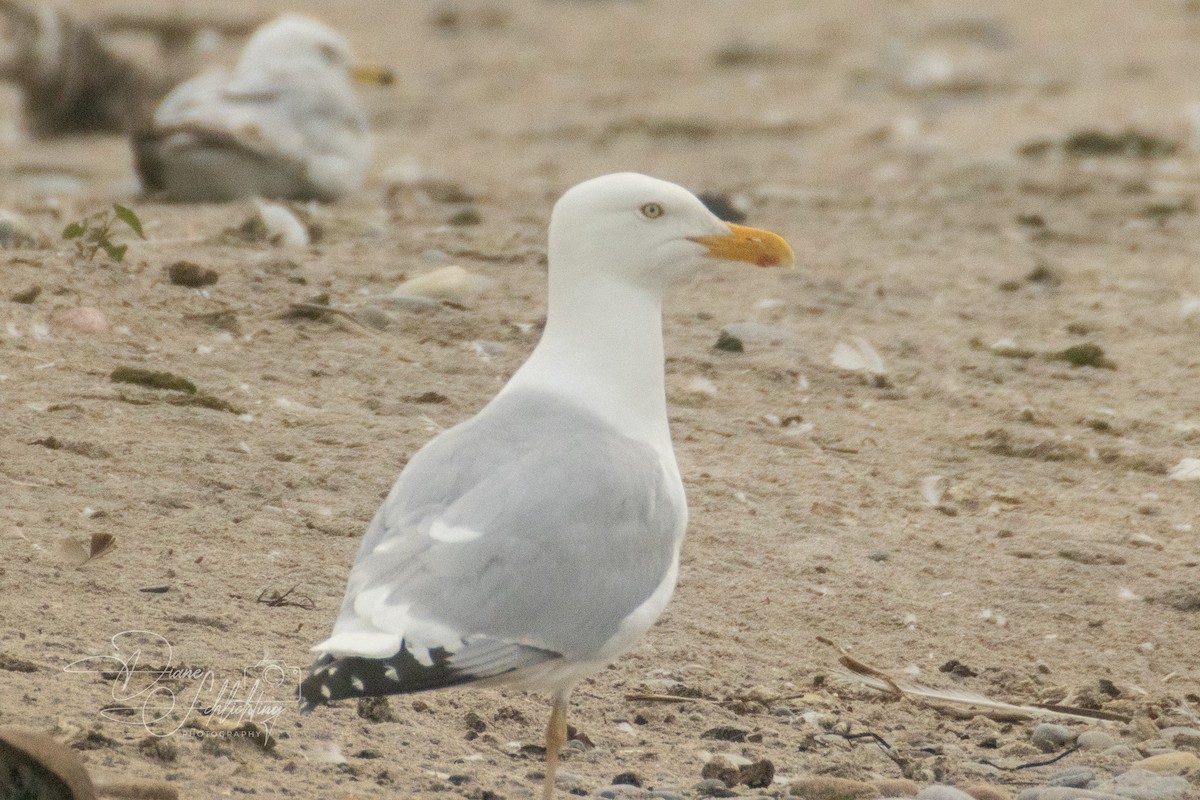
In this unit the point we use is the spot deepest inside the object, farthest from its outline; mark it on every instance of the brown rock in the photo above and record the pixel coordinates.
(985, 791)
(1177, 763)
(722, 770)
(897, 787)
(827, 788)
(758, 775)
(185, 273)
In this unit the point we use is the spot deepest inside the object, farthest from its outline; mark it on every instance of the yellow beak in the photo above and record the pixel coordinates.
(752, 245)
(373, 74)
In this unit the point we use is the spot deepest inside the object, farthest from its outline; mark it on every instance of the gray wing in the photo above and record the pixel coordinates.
(531, 529)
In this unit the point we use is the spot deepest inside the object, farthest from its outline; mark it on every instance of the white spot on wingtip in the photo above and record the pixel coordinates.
(421, 654)
(357, 683)
(391, 674)
(441, 532)
(326, 692)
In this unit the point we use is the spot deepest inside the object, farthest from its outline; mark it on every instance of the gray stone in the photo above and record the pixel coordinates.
(1140, 784)
(712, 787)
(623, 791)
(1095, 740)
(1121, 751)
(1049, 737)
(941, 792)
(1065, 793)
(1075, 777)
(1175, 731)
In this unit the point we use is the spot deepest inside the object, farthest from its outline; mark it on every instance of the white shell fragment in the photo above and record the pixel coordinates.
(933, 487)
(1187, 469)
(451, 284)
(283, 228)
(858, 356)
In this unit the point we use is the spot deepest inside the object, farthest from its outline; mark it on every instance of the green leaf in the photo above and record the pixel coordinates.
(115, 251)
(127, 216)
(73, 231)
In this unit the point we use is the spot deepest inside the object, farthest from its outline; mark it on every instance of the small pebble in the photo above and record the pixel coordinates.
(830, 788)
(84, 319)
(627, 779)
(1049, 737)
(1177, 763)
(1121, 751)
(713, 787)
(185, 273)
(941, 792)
(1075, 777)
(1095, 740)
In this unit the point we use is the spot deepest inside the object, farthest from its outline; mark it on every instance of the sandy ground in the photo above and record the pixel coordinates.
(1062, 563)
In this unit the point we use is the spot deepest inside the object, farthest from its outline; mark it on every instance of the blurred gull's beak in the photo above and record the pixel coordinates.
(373, 74)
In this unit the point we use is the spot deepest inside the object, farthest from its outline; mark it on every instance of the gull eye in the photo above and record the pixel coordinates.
(652, 211)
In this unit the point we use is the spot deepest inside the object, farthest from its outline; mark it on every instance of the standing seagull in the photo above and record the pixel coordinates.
(284, 123)
(533, 544)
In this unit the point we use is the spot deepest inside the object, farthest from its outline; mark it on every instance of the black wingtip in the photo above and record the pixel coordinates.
(333, 678)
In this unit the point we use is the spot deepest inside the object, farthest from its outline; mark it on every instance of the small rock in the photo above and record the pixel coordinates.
(1095, 740)
(451, 284)
(712, 787)
(942, 792)
(985, 791)
(1177, 763)
(27, 296)
(729, 343)
(1139, 784)
(1122, 752)
(1049, 737)
(627, 779)
(375, 709)
(1075, 777)
(725, 733)
(830, 788)
(185, 273)
(623, 791)
(896, 787)
(1175, 731)
(758, 775)
(720, 769)
(757, 333)
(84, 319)
(1064, 793)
